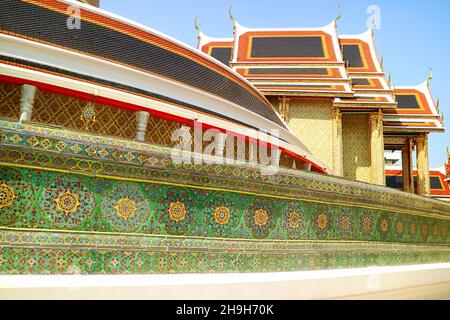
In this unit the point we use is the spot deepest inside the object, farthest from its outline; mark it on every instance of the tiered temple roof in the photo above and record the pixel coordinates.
(299, 62)
(366, 73)
(416, 111)
(317, 62)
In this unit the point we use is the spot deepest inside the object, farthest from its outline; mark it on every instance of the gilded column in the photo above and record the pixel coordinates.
(283, 108)
(423, 169)
(407, 166)
(411, 172)
(141, 124)
(337, 142)
(377, 148)
(27, 101)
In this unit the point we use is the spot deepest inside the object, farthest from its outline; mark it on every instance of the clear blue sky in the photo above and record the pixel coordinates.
(413, 36)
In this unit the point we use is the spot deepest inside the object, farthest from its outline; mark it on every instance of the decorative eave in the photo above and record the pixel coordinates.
(412, 125)
(363, 105)
(306, 93)
(372, 99)
(204, 40)
(269, 80)
(425, 111)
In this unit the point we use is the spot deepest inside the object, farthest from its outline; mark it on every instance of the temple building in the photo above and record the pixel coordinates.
(126, 151)
(332, 92)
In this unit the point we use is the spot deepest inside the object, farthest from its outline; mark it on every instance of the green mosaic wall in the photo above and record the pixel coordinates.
(79, 203)
(50, 200)
(62, 253)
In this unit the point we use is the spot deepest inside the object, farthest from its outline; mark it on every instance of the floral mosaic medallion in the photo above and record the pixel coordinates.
(294, 220)
(125, 207)
(16, 196)
(385, 226)
(345, 223)
(221, 214)
(400, 228)
(366, 224)
(66, 202)
(6, 195)
(177, 210)
(411, 229)
(322, 221)
(425, 229)
(260, 217)
(435, 232)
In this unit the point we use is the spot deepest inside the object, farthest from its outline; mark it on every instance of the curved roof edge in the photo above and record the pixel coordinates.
(162, 35)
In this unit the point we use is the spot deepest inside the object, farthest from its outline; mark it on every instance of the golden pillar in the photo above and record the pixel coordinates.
(377, 148)
(283, 108)
(407, 166)
(423, 169)
(337, 141)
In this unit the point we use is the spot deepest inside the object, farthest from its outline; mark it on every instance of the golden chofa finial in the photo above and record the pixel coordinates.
(430, 76)
(437, 105)
(339, 15)
(389, 78)
(381, 62)
(230, 14)
(196, 25)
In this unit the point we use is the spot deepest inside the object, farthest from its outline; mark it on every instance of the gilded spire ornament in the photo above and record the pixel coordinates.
(230, 14)
(339, 15)
(430, 76)
(196, 25)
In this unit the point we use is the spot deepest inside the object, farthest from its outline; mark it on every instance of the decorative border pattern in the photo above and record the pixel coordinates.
(24, 252)
(43, 199)
(65, 150)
